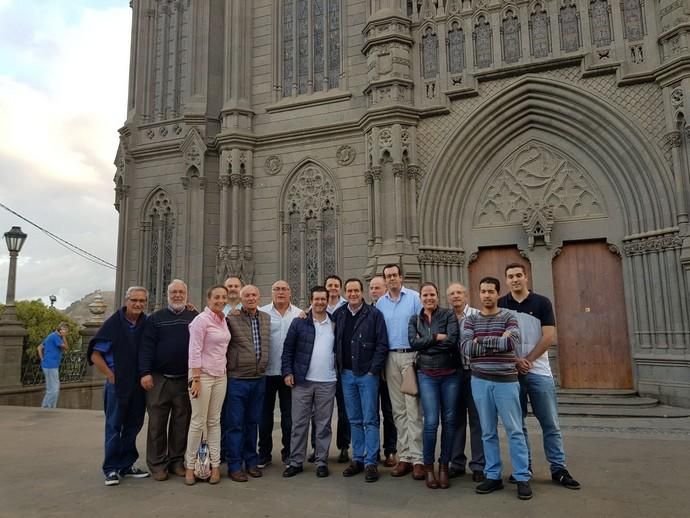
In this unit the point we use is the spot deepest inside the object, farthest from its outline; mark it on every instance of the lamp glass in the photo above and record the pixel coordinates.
(15, 239)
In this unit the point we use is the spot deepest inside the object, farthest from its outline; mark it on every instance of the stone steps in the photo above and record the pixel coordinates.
(613, 403)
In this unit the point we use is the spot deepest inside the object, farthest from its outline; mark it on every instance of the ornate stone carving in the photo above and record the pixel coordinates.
(398, 170)
(235, 179)
(163, 131)
(193, 157)
(224, 180)
(310, 192)
(537, 220)
(385, 138)
(659, 242)
(247, 182)
(273, 164)
(536, 175)
(441, 257)
(345, 155)
(614, 249)
(677, 98)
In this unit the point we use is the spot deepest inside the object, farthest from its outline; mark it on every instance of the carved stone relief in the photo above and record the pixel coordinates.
(345, 155)
(273, 164)
(538, 176)
(311, 192)
(655, 243)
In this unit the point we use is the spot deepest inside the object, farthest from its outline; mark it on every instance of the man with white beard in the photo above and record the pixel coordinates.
(163, 370)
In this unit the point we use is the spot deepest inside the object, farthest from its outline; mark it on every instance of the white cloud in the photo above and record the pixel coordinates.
(58, 137)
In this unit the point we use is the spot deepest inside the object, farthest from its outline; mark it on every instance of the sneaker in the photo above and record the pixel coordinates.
(263, 462)
(512, 480)
(524, 491)
(563, 478)
(112, 479)
(489, 486)
(134, 472)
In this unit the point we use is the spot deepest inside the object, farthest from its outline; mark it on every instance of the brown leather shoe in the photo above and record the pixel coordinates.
(401, 469)
(390, 461)
(238, 476)
(430, 476)
(189, 478)
(443, 476)
(160, 476)
(215, 476)
(179, 471)
(254, 472)
(418, 472)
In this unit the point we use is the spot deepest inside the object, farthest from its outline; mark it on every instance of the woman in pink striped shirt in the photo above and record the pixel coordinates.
(208, 343)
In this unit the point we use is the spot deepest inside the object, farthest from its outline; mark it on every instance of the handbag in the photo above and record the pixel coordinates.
(202, 461)
(409, 381)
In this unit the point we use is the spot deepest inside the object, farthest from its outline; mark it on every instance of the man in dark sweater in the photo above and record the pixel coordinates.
(163, 365)
(361, 345)
(115, 353)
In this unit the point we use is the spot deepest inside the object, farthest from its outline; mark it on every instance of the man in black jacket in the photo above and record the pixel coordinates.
(163, 366)
(361, 347)
(308, 368)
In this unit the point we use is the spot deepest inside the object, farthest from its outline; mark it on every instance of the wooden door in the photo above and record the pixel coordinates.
(593, 347)
(492, 262)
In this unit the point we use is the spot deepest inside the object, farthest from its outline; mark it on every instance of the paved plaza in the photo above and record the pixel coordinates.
(628, 468)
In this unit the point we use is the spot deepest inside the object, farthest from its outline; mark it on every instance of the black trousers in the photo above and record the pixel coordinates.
(275, 386)
(390, 433)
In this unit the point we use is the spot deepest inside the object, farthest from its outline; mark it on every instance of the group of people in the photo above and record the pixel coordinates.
(215, 376)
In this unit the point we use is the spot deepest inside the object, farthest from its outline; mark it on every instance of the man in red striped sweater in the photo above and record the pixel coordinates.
(490, 339)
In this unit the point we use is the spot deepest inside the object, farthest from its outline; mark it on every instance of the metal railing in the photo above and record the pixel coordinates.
(72, 367)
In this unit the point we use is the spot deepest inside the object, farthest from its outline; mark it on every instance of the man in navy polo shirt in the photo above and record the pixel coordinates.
(538, 330)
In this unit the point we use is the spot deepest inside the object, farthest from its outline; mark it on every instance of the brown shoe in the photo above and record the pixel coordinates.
(390, 461)
(238, 476)
(418, 472)
(430, 476)
(215, 476)
(254, 472)
(189, 477)
(160, 476)
(443, 476)
(178, 471)
(401, 469)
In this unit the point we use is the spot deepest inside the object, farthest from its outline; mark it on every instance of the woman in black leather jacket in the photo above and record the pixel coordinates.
(434, 334)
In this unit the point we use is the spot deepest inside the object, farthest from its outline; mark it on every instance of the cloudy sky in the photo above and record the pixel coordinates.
(63, 95)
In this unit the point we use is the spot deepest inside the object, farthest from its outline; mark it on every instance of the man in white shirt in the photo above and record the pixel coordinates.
(282, 313)
(308, 368)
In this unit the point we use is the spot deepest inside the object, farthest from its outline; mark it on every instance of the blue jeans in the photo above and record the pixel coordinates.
(243, 408)
(123, 421)
(52, 387)
(439, 395)
(361, 394)
(495, 399)
(541, 392)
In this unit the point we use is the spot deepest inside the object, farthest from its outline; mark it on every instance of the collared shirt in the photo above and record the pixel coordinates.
(279, 328)
(229, 308)
(330, 309)
(208, 343)
(355, 311)
(322, 364)
(256, 334)
(397, 314)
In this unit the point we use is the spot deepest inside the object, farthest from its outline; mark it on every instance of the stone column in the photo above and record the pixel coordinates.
(12, 335)
(88, 331)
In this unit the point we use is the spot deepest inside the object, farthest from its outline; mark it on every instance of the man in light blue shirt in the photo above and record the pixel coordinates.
(398, 305)
(282, 313)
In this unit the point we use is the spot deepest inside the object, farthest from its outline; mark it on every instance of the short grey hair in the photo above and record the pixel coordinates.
(177, 281)
(62, 325)
(132, 289)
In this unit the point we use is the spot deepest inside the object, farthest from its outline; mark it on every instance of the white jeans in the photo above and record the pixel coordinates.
(206, 409)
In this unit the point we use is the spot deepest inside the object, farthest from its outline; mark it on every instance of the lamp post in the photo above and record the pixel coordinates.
(12, 331)
(15, 241)
(52, 299)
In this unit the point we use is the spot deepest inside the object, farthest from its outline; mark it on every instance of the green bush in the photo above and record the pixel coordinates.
(41, 320)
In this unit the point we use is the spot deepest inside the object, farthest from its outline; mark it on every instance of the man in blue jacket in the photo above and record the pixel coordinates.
(308, 368)
(361, 344)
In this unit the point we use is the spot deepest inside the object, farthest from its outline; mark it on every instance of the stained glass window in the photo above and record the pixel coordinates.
(600, 23)
(456, 49)
(539, 31)
(430, 54)
(511, 38)
(158, 240)
(569, 21)
(632, 20)
(482, 43)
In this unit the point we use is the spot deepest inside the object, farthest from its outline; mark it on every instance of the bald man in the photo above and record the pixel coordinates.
(457, 299)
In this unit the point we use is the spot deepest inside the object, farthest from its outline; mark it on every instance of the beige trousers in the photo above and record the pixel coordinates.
(406, 409)
(206, 409)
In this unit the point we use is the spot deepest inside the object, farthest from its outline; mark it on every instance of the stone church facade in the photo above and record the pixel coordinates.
(295, 138)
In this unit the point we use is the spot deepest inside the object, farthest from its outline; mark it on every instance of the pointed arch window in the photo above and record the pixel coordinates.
(310, 227)
(483, 47)
(539, 29)
(569, 24)
(456, 49)
(157, 239)
(600, 23)
(311, 46)
(430, 54)
(633, 21)
(510, 36)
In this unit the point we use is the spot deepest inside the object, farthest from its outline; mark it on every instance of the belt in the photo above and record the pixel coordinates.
(402, 350)
(174, 376)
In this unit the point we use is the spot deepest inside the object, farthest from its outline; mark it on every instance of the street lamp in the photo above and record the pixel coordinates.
(15, 240)
(52, 300)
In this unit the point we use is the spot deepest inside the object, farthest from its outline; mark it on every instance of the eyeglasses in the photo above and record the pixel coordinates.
(138, 301)
(280, 288)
